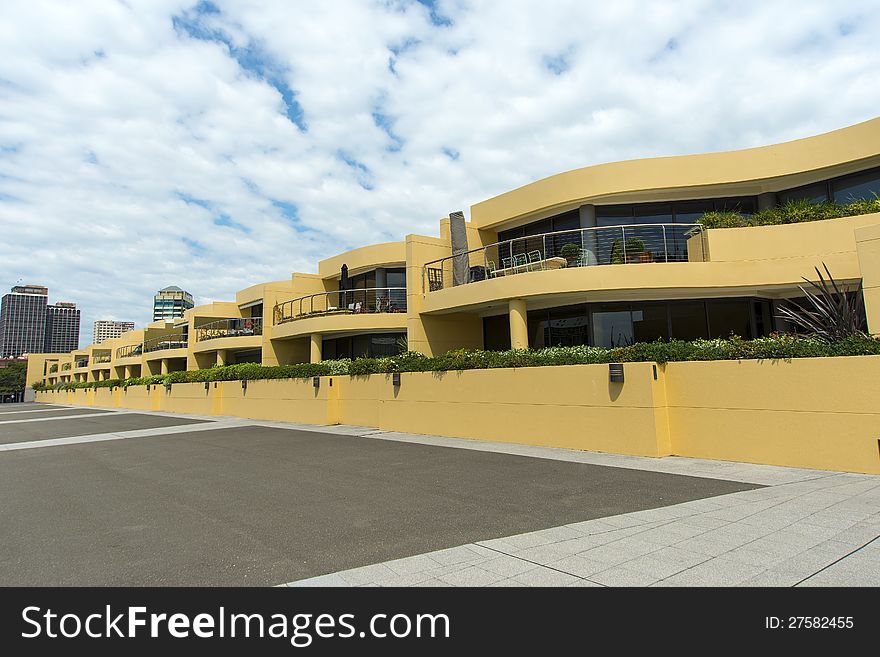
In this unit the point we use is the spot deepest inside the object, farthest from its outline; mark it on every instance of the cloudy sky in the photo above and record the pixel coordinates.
(218, 144)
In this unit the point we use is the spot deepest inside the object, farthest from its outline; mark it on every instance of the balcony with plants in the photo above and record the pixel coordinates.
(165, 343)
(567, 249)
(130, 351)
(361, 301)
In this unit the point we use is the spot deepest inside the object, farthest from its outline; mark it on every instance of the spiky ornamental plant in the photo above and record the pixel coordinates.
(831, 311)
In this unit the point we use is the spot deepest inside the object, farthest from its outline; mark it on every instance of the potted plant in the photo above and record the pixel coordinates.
(571, 252)
(635, 247)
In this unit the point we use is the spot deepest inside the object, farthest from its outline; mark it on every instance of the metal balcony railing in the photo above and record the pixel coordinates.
(605, 245)
(82, 362)
(105, 358)
(346, 302)
(130, 351)
(174, 341)
(230, 328)
(66, 366)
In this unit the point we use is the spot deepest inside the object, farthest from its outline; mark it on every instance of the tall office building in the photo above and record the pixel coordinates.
(106, 329)
(62, 328)
(170, 303)
(23, 320)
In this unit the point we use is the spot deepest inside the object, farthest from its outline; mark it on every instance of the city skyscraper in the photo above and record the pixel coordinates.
(107, 329)
(170, 303)
(62, 327)
(23, 320)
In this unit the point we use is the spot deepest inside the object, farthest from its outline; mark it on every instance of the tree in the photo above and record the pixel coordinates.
(12, 377)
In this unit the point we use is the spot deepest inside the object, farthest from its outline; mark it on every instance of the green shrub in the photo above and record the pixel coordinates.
(723, 220)
(570, 251)
(793, 212)
(774, 347)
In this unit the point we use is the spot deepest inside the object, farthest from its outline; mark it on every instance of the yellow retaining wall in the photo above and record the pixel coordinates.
(812, 413)
(574, 407)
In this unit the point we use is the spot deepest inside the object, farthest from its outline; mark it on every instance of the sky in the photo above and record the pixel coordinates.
(218, 144)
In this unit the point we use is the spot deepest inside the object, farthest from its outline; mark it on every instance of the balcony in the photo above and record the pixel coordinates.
(173, 341)
(53, 368)
(230, 328)
(131, 351)
(103, 358)
(588, 247)
(364, 301)
(66, 366)
(82, 362)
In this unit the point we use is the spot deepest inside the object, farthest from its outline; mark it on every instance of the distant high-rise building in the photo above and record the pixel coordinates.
(107, 329)
(23, 320)
(170, 303)
(62, 328)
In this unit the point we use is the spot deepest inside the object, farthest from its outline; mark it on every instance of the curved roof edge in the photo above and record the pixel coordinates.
(729, 173)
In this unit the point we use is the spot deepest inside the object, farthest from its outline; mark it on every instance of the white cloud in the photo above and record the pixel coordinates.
(137, 150)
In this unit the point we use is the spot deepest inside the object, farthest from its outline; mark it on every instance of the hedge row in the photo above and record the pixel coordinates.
(793, 212)
(767, 348)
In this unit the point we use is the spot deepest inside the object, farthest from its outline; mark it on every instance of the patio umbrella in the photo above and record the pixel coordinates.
(343, 285)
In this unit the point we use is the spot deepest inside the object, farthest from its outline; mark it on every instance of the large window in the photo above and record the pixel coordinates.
(374, 345)
(620, 324)
(857, 187)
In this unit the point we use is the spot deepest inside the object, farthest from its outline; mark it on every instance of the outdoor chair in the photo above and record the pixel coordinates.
(520, 262)
(587, 259)
(490, 269)
(536, 260)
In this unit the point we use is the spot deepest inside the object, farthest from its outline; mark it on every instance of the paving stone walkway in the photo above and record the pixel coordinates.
(806, 528)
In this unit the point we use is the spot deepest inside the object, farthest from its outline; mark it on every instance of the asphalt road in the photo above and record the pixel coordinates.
(82, 426)
(263, 506)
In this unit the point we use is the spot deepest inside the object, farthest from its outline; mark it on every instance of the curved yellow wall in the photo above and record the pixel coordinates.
(367, 257)
(360, 323)
(744, 172)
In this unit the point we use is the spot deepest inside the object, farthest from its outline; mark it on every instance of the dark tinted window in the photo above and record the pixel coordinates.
(857, 187)
(688, 320)
(728, 317)
(650, 322)
(539, 329)
(741, 204)
(614, 215)
(612, 326)
(362, 346)
(687, 212)
(250, 356)
(568, 326)
(815, 193)
(496, 333)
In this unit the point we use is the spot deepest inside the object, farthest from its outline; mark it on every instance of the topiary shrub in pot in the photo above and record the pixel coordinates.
(571, 252)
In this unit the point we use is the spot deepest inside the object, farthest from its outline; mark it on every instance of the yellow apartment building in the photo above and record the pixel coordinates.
(604, 255)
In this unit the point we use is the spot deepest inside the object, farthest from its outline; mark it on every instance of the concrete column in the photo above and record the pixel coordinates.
(766, 200)
(315, 348)
(519, 327)
(126, 371)
(164, 369)
(222, 357)
(381, 281)
(590, 238)
(587, 215)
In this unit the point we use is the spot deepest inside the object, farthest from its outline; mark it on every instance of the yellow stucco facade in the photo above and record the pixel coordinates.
(309, 316)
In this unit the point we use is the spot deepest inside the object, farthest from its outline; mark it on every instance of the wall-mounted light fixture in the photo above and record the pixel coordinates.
(167, 387)
(316, 382)
(615, 372)
(207, 386)
(395, 379)
(244, 384)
